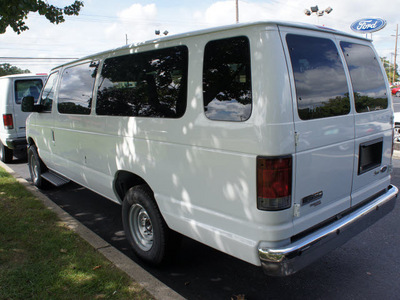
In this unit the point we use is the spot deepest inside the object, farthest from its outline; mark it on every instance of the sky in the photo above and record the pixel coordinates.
(104, 24)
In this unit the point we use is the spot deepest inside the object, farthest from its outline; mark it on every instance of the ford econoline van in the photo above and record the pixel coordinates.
(12, 130)
(270, 141)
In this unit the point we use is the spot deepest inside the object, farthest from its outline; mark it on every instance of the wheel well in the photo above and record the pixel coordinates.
(31, 141)
(124, 181)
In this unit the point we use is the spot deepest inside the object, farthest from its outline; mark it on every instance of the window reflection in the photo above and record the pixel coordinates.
(148, 84)
(48, 92)
(366, 76)
(227, 80)
(76, 89)
(320, 80)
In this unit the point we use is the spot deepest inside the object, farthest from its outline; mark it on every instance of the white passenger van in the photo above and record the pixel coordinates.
(12, 130)
(270, 141)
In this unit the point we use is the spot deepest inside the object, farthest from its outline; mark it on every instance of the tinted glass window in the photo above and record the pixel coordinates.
(366, 76)
(76, 89)
(227, 80)
(48, 92)
(320, 80)
(29, 87)
(148, 84)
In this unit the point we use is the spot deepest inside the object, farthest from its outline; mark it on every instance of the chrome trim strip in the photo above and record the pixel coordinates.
(290, 259)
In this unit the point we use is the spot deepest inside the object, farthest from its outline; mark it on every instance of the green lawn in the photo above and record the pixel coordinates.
(42, 259)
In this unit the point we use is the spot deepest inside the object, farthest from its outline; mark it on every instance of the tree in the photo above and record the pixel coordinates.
(14, 12)
(389, 70)
(7, 69)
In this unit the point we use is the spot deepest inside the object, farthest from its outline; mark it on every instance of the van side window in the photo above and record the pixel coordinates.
(76, 89)
(319, 76)
(227, 93)
(28, 87)
(147, 84)
(48, 92)
(366, 77)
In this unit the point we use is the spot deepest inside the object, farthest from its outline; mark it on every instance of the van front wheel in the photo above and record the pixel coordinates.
(36, 167)
(6, 154)
(144, 226)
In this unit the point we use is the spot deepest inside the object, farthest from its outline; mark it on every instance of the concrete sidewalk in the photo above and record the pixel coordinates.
(155, 287)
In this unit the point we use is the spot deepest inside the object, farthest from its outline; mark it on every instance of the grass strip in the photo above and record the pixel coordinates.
(42, 259)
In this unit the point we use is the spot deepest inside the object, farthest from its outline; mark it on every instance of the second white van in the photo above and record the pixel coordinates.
(12, 129)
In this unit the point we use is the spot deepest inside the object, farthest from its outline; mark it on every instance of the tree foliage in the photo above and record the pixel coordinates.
(7, 69)
(389, 70)
(13, 13)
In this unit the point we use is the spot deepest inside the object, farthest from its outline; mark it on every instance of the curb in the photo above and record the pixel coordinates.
(155, 287)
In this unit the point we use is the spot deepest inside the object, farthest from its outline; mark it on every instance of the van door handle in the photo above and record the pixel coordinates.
(52, 136)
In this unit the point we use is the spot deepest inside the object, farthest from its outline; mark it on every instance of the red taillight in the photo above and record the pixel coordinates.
(274, 183)
(8, 121)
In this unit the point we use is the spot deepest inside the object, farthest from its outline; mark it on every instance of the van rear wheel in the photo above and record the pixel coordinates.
(36, 167)
(6, 154)
(144, 226)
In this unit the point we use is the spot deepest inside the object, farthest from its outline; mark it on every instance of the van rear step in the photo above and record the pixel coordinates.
(54, 178)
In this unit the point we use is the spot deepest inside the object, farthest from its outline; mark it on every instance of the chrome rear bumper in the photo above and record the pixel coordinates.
(291, 258)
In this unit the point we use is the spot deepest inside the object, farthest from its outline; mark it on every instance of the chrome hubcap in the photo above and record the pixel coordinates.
(141, 227)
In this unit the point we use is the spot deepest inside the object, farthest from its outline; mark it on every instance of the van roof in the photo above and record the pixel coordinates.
(218, 29)
(24, 75)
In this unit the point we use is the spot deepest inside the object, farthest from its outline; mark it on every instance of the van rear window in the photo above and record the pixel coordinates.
(366, 77)
(147, 84)
(320, 80)
(28, 87)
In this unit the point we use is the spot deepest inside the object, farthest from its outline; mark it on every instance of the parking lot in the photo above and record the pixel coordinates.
(367, 267)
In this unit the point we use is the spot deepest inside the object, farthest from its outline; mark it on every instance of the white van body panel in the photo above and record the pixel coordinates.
(204, 173)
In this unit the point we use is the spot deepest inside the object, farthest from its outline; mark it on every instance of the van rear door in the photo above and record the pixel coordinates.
(324, 125)
(24, 87)
(373, 120)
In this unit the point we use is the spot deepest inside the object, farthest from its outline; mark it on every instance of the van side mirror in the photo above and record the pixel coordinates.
(28, 104)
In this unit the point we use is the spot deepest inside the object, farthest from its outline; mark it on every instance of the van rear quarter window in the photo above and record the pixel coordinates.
(76, 89)
(320, 80)
(366, 77)
(147, 84)
(227, 91)
(28, 87)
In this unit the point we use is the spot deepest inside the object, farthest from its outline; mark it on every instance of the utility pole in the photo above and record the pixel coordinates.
(237, 11)
(126, 39)
(390, 68)
(395, 53)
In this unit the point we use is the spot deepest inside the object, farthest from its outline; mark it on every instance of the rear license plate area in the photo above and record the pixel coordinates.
(370, 155)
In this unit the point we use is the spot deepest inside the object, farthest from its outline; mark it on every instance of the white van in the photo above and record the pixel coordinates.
(269, 141)
(12, 130)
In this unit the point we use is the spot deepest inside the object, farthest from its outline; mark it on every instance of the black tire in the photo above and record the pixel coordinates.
(6, 154)
(36, 168)
(145, 228)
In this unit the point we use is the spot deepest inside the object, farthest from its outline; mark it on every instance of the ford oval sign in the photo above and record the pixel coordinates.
(368, 25)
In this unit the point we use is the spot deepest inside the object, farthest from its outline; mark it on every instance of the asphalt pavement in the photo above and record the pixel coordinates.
(367, 267)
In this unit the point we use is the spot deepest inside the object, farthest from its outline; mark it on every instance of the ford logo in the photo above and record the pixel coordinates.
(368, 25)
